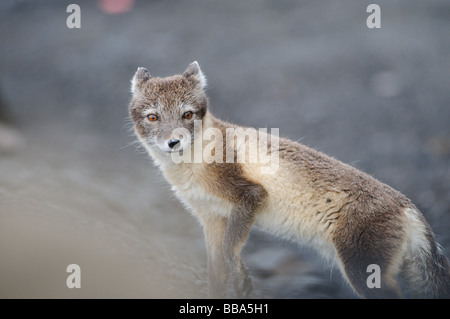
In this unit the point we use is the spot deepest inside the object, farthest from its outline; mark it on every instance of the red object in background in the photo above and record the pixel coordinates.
(116, 6)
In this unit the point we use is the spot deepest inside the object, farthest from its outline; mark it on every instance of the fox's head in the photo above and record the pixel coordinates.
(160, 107)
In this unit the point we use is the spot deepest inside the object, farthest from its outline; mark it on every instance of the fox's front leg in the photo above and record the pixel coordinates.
(238, 229)
(224, 241)
(240, 222)
(214, 228)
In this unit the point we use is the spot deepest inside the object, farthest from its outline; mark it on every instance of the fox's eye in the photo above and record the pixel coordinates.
(152, 117)
(187, 115)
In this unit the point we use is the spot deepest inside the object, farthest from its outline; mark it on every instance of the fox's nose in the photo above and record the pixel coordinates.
(172, 143)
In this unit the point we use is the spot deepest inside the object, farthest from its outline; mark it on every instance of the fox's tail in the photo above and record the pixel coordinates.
(426, 270)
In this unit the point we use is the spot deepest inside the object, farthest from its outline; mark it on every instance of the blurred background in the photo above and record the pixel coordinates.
(74, 188)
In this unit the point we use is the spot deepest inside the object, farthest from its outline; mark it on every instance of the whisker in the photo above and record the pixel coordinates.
(134, 143)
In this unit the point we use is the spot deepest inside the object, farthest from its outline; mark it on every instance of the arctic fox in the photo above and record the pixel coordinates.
(347, 215)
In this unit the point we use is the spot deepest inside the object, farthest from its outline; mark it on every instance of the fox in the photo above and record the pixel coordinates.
(348, 216)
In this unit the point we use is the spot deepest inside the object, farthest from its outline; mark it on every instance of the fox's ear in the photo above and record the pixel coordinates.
(141, 76)
(193, 72)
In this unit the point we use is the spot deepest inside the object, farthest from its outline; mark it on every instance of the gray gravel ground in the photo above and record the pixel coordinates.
(75, 189)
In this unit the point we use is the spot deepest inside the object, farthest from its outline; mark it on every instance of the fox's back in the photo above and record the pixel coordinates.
(312, 195)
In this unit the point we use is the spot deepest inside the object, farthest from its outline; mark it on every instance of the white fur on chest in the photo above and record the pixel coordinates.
(187, 188)
(184, 179)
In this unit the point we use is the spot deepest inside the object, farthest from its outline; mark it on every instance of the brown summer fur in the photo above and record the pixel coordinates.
(347, 215)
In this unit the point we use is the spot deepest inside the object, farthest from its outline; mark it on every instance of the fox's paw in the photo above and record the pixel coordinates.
(243, 285)
(216, 292)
